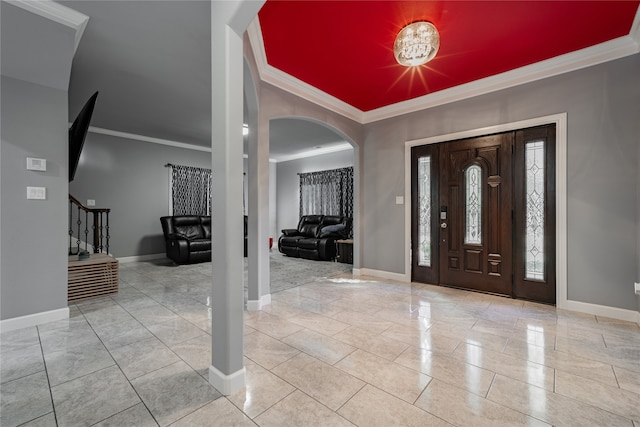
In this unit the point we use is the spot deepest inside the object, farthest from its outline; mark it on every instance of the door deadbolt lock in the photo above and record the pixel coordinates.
(443, 225)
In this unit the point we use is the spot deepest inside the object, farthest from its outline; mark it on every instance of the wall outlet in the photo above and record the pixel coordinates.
(637, 288)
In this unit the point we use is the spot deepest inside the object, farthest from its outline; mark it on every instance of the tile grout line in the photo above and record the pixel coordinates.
(121, 371)
(44, 363)
(129, 381)
(163, 343)
(571, 349)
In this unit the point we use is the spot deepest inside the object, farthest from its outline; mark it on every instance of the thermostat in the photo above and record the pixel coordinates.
(36, 164)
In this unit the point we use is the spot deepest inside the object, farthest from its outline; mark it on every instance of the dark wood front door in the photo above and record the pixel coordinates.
(475, 213)
(483, 213)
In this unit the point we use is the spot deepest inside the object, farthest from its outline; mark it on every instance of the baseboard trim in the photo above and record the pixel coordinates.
(137, 258)
(257, 305)
(227, 384)
(33, 319)
(604, 311)
(380, 273)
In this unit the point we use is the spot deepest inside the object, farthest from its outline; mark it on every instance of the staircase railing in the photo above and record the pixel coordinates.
(99, 219)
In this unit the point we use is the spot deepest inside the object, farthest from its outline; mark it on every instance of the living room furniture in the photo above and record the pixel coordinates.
(188, 238)
(92, 277)
(345, 251)
(315, 237)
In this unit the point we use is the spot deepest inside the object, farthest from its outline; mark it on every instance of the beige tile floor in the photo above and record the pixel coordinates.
(340, 351)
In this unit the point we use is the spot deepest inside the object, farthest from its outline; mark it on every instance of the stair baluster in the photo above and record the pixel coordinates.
(100, 231)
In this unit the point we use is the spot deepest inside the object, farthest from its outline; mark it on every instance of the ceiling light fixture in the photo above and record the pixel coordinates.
(416, 44)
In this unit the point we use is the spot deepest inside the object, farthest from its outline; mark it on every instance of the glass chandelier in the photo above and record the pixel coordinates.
(416, 44)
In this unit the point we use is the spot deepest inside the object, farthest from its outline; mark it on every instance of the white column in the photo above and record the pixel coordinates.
(228, 22)
(259, 291)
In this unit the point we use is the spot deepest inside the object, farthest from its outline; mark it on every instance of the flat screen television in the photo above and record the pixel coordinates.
(78, 133)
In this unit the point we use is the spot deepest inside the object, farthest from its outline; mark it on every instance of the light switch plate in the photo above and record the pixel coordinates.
(36, 193)
(34, 164)
(91, 202)
(399, 200)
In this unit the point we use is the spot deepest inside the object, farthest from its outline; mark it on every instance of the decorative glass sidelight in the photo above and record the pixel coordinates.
(424, 211)
(534, 226)
(473, 205)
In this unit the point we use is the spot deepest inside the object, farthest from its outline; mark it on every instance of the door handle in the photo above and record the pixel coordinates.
(443, 225)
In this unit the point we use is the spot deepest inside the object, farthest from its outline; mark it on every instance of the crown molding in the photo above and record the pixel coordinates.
(594, 55)
(186, 146)
(57, 13)
(634, 32)
(296, 86)
(288, 83)
(150, 139)
(254, 32)
(604, 52)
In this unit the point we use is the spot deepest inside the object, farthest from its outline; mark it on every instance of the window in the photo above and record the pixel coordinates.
(189, 190)
(327, 192)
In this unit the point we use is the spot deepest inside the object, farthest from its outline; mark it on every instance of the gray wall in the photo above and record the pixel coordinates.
(272, 194)
(287, 194)
(603, 136)
(273, 206)
(33, 232)
(245, 186)
(129, 177)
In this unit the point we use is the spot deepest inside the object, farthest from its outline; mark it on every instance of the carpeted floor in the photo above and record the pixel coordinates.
(289, 272)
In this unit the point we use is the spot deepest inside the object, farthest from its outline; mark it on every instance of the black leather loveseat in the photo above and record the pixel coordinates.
(188, 238)
(315, 238)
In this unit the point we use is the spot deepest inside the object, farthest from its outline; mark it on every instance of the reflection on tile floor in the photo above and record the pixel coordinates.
(338, 351)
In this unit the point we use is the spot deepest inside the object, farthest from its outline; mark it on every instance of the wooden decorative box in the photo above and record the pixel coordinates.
(93, 277)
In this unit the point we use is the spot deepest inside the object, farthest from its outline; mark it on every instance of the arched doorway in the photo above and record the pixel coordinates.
(300, 147)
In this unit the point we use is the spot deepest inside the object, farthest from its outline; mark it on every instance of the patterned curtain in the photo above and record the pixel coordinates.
(190, 190)
(327, 192)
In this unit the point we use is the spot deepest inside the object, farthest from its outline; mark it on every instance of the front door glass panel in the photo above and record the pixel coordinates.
(424, 211)
(535, 209)
(473, 205)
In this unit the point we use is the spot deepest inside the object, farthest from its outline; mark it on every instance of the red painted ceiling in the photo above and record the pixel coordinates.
(345, 48)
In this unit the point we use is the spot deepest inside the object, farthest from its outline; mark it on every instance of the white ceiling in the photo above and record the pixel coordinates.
(150, 61)
(293, 138)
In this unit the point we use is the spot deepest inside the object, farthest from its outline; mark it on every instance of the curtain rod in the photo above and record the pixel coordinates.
(327, 170)
(183, 166)
(168, 165)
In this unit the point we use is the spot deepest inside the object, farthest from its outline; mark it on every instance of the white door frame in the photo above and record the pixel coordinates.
(560, 120)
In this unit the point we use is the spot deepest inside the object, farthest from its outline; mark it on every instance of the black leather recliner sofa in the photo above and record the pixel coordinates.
(315, 238)
(188, 238)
